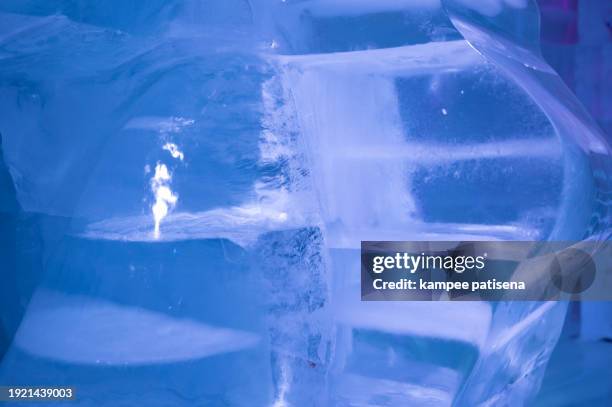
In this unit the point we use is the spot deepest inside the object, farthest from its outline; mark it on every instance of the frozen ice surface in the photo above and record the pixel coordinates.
(241, 225)
(186, 185)
(95, 332)
(146, 317)
(392, 62)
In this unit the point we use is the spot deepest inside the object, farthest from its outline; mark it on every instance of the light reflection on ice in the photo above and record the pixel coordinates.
(360, 389)
(435, 57)
(241, 224)
(174, 151)
(86, 331)
(436, 154)
(165, 199)
(468, 322)
(171, 124)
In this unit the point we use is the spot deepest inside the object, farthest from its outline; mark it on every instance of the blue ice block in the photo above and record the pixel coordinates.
(194, 180)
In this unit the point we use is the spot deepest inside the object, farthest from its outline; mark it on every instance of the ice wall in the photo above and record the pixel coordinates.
(94, 100)
(198, 175)
(395, 151)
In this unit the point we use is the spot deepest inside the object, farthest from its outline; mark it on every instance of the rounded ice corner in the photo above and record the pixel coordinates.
(516, 20)
(506, 34)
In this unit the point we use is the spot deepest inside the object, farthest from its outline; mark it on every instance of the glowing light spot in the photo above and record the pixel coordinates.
(174, 151)
(165, 199)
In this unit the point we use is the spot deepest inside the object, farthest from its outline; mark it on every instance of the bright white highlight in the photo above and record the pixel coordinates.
(174, 151)
(110, 334)
(165, 199)
(163, 125)
(281, 400)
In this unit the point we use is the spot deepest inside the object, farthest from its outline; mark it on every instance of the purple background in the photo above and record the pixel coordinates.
(577, 42)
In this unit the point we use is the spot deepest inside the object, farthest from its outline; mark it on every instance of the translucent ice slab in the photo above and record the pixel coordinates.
(82, 331)
(443, 139)
(194, 179)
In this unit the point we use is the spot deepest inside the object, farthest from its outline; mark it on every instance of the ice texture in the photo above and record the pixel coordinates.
(184, 186)
(84, 331)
